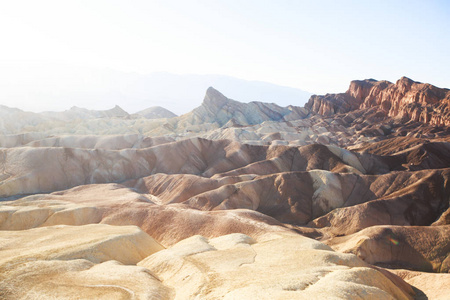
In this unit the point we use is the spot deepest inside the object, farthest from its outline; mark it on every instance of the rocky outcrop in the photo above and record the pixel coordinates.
(331, 104)
(218, 109)
(406, 99)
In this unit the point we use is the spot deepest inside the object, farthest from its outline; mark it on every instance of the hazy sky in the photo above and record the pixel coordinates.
(317, 46)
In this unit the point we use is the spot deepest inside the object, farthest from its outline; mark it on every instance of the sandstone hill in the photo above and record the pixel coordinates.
(216, 108)
(347, 197)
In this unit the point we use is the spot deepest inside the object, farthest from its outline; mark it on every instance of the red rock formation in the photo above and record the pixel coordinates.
(406, 99)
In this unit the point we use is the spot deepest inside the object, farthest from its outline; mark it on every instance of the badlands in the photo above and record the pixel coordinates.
(345, 198)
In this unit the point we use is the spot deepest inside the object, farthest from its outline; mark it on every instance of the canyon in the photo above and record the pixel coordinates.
(347, 197)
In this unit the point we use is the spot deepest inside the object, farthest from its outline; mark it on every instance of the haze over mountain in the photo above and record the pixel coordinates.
(156, 112)
(332, 199)
(50, 87)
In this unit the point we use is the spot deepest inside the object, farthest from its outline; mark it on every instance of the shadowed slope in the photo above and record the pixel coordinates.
(417, 248)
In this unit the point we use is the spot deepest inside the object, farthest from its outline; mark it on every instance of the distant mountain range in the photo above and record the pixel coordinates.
(215, 111)
(406, 99)
(58, 88)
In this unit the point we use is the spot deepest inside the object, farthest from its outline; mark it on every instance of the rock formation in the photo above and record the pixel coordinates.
(340, 196)
(406, 99)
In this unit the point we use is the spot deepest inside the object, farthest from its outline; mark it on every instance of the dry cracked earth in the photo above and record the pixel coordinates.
(345, 198)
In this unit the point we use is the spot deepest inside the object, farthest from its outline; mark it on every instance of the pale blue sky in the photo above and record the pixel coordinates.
(317, 46)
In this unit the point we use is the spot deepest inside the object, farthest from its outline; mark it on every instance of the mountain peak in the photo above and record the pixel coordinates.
(156, 112)
(405, 81)
(214, 98)
(117, 109)
(218, 109)
(213, 93)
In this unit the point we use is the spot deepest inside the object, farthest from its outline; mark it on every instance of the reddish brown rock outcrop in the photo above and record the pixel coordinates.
(406, 99)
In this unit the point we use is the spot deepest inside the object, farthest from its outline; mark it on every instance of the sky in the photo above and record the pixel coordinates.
(316, 46)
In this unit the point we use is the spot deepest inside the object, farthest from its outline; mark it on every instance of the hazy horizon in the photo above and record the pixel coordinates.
(314, 46)
(101, 89)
